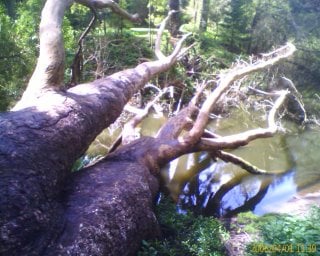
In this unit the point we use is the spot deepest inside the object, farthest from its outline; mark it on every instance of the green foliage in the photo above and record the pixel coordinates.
(113, 52)
(27, 27)
(185, 234)
(271, 25)
(306, 26)
(13, 63)
(79, 17)
(236, 25)
(157, 11)
(140, 7)
(279, 234)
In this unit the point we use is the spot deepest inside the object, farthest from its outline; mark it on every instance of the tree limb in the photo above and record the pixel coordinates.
(129, 133)
(176, 124)
(49, 72)
(228, 157)
(241, 139)
(225, 81)
(50, 66)
(100, 4)
(177, 53)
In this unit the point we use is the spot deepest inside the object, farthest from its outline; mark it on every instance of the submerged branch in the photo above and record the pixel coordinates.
(228, 157)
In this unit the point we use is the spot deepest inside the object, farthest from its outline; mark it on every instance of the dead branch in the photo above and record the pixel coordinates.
(77, 63)
(129, 130)
(115, 8)
(176, 143)
(225, 81)
(49, 72)
(241, 139)
(228, 157)
(178, 51)
(183, 120)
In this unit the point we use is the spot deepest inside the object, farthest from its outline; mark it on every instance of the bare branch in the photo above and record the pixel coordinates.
(177, 53)
(241, 139)
(77, 64)
(183, 120)
(228, 157)
(225, 81)
(129, 133)
(100, 4)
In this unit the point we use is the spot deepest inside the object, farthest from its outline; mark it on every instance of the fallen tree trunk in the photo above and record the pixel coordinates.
(105, 209)
(47, 131)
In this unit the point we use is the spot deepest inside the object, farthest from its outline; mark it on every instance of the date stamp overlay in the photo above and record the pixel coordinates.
(284, 248)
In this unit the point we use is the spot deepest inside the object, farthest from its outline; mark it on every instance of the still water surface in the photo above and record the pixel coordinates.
(217, 188)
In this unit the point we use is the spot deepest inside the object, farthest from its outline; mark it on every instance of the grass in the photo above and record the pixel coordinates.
(185, 234)
(272, 234)
(279, 234)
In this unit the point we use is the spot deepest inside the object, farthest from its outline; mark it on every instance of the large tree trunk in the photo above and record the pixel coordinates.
(42, 137)
(105, 209)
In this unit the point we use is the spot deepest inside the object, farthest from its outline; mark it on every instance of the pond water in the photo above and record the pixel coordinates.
(217, 188)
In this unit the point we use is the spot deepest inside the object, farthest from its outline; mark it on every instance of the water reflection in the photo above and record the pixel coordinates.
(215, 188)
(280, 190)
(221, 190)
(207, 187)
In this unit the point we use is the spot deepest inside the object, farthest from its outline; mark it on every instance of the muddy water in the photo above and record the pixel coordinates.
(222, 189)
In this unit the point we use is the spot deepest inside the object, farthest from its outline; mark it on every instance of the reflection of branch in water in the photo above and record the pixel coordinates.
(180, 179)
(213, 206)
(250, 204)
(228, 157)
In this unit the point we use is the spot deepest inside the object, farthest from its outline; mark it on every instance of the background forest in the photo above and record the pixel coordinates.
(223, 32)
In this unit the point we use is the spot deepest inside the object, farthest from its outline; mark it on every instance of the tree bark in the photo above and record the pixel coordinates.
(105, 209)
(174, 24)
(204, 15)
(46, 132)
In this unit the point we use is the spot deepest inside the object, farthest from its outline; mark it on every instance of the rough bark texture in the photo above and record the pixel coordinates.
(38, 146)
(108, 211)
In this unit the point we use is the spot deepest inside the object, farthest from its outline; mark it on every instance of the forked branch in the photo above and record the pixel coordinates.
(241, 139)
(226, 80)
(198, 139)
(177, 52)
(49, 72)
